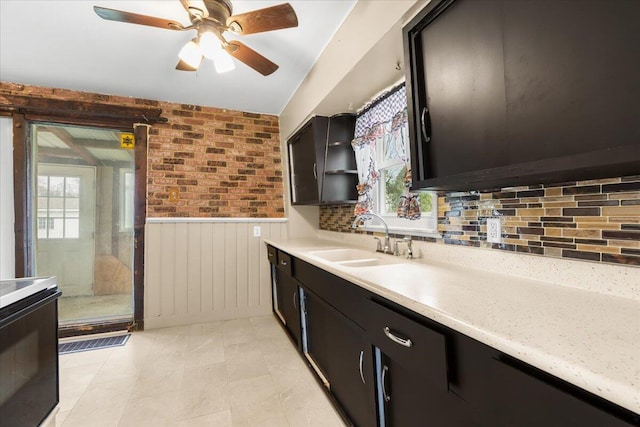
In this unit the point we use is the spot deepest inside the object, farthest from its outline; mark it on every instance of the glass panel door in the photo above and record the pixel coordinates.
(84, 220)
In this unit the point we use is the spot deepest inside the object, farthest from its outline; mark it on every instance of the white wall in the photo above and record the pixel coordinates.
(359, 61)
(7, 257)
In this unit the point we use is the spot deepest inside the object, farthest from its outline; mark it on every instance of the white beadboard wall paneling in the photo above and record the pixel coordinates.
(201, 270)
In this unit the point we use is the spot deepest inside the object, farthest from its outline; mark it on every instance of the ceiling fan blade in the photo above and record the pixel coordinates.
(134, 18)
(253, 59)
(267, 19)
(196, 8)
(183, 66)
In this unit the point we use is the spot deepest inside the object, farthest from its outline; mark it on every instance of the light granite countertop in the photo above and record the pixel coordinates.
(586, 338)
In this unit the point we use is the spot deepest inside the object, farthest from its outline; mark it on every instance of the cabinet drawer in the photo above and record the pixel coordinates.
(272, 254)
(417, 347)
(284, 263)
(344, 296)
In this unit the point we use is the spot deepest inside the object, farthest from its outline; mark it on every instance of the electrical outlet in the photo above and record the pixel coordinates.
(257, 231)
(494, 230)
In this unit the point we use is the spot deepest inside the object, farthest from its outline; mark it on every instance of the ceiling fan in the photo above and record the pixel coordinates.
(211, 18)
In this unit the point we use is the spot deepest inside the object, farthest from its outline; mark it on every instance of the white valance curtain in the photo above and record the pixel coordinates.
(382, 126)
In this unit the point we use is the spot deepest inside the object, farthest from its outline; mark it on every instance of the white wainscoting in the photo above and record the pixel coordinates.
(202, 270)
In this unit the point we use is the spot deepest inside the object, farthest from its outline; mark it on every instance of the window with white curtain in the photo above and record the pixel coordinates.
(382, 152)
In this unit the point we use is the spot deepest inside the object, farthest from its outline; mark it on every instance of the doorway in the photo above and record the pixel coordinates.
(83, 215)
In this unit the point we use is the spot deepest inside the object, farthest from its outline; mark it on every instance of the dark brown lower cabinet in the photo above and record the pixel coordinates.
(339, 348)
(289, 305)
(285, 293)
(409, 400)
(512, 388)
(388, 366)
(413, 373)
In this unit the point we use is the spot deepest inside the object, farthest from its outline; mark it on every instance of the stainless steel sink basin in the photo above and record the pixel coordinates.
(348, 257)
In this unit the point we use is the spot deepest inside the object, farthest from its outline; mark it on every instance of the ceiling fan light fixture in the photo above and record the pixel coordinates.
(209, 44)
(191, 54)
(212, 49)
(222, 61)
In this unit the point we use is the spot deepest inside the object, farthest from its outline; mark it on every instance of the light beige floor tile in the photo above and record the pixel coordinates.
(266, 326)
(168, 359)
(249, 396)
(74, 381)
(193, 402)
(204, 375)
(102, 404)
(204, 350)
(71, 360)
(288, 370)
(245, 360)
(206, 328)
(267, 413)
(240, 373)
(276, 344)
(61, 417)
(306, 405)
(151, 411)
(217, 419)
(237, 331)
(150, 383)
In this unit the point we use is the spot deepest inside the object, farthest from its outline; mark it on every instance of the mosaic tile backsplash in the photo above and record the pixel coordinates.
(596, 220)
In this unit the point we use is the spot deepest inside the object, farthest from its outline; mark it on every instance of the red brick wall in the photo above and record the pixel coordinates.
(225, 163)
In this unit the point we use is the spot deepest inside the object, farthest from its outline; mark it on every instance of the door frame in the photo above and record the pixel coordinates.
(78, 113)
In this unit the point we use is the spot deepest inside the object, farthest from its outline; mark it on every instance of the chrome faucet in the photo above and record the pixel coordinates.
(407, 240)
(387, 241)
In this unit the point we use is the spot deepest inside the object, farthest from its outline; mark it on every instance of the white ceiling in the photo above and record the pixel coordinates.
(64, 44)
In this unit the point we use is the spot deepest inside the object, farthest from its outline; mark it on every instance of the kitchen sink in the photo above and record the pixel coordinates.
(343, 254)
(370, 262)
(349, 257)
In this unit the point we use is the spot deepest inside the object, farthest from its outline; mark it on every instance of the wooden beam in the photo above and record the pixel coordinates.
(79, 112)
(139, 218)
(66, 137)
(23, 201)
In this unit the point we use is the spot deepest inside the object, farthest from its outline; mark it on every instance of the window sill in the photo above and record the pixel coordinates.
(407, 231)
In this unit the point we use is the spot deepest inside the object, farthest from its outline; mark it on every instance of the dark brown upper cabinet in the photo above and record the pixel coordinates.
(322, 167)
(520, 92)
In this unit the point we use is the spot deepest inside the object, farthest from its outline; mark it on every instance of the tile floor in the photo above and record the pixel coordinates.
(234, 373)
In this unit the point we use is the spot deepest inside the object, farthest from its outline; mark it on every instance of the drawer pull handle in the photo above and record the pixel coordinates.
(404, 342)
(384, 384)
(283, 262)
(361, 363)
(424, 118)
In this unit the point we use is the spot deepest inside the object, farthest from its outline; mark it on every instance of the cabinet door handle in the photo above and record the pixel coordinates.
(295, 296)
(283, 262)
(423, 124)
(315, 171)
(402, 341)
(361, 363)
(384, 384)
